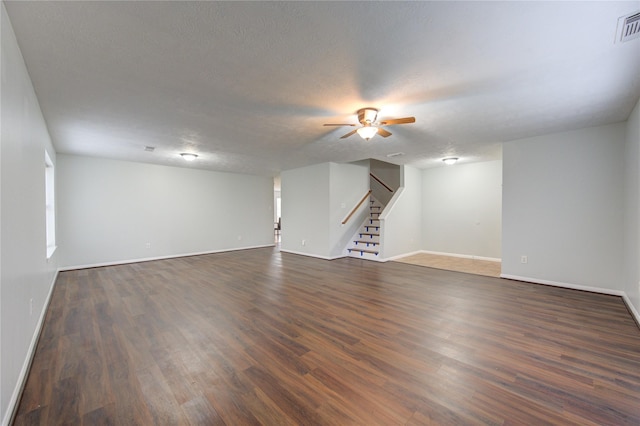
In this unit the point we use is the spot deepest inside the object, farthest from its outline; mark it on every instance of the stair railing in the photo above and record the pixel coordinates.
(377, 179)
(352, 212)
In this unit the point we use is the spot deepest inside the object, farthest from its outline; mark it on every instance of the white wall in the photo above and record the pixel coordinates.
(109, 210)
(632, 210)
(562, 207)
(348, 183)
(315, 200)
(387, 173)
(462, 209)
(401, 220)
(25, 275)
(305, 197)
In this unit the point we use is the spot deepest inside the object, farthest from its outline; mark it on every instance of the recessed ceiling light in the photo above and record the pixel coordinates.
(188, 156)
(450, 160)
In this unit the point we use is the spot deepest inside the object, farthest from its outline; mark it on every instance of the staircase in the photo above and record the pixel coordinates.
(366, 242)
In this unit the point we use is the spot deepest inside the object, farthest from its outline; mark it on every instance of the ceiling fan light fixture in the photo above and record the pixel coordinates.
(367, 117)
(188, 156)
(449, 161)
(367, 132)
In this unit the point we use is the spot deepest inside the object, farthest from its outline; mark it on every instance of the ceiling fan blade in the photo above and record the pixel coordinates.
(332, 124)
(382, 132)
(348, 134)
(404, 120)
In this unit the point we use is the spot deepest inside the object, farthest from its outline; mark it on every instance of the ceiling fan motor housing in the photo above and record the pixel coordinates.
(367, 116)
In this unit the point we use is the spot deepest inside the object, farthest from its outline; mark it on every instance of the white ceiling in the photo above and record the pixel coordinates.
(248, 85)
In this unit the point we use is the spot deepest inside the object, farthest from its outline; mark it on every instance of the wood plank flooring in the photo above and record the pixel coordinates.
(263, 337)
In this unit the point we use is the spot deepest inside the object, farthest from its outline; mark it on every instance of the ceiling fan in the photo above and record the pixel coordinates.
(367, 117)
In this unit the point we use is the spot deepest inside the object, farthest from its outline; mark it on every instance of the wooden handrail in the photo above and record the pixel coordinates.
(380, 182)
(346, 219)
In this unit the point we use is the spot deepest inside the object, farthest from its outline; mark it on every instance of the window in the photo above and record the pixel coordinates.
(50, 203)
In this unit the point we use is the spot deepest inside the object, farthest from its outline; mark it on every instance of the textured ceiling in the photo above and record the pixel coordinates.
(248, 85)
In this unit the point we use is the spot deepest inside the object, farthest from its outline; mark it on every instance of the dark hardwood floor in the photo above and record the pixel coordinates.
(260, 337)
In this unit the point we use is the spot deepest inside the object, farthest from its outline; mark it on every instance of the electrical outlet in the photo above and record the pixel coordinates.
(239, 237)
(524, 259)
(304, 242)
(148, 245)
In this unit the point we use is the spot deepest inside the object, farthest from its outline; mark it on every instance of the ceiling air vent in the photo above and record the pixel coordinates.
(395, 154)
(628, 27)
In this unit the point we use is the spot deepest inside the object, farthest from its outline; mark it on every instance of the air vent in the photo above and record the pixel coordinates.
(395, 154)
(149, 148)
(628, 27)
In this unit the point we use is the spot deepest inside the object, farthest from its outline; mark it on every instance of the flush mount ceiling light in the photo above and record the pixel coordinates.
(367, 132)
(189, 157)
(450, 160)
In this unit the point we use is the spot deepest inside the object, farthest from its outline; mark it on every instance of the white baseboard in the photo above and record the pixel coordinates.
(149, 259)
(12, 408)
(400, 256)
(632, 309)
(440, 253)
(463, 256)
(312, 255)
(601, 290)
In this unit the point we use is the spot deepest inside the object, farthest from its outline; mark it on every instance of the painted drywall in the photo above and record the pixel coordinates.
(462, 209)
(305, 197)
(563, 207)
(387, 173)
(113, 211)
(315, 200)
(632, 209)
(26, 277)
(348, 184)
(401, 221)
